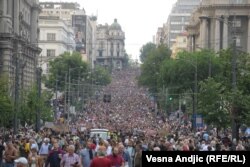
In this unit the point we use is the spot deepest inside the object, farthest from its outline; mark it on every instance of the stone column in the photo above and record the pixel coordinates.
(248, 39)
(34, 23)
(10, 7)
(217, 36)
(204, 32)
(3, 7)
(225, 33)
(16, 17)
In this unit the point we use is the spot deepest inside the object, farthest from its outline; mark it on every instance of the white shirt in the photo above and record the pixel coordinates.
(44, 150)
(109, 150)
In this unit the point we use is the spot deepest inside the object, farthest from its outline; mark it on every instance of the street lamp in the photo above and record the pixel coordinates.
(39, 87)
(195, 102)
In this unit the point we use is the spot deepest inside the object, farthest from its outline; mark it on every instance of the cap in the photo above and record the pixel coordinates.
(46, 140)
(22, 160)
(33, 146)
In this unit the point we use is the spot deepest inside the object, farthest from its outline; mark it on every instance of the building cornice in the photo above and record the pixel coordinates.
(224, 6)
(56, 42)
(56, 27)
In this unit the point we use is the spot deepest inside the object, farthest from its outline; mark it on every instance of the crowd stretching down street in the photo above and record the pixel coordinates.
(133, 127)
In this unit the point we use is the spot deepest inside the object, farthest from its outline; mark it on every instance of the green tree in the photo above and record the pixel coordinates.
(150, 69)
(101, 76)
(6, 105)
(146, 50)
(60, 66)
(32, 103)
(219, 91)
(213, 104)
(179, 74)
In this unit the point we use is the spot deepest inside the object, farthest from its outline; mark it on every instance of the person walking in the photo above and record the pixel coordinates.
(115, 158)
(10, 155)
(71, 159)
(101, 160)
(87, 154)
(55, 156)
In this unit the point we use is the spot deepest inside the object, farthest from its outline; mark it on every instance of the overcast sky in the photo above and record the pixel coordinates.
(139, 18)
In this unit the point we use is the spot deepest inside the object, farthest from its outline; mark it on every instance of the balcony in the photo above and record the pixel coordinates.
(224, 2)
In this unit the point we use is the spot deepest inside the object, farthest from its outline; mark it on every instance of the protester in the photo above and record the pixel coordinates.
(55, 156)
(135, 125)
(71, 159)
(87, 155)
(10, 155)
(101, 160)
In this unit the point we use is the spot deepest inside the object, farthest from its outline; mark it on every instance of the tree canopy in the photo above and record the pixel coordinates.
(214, 80)
(79, 70)
(146, 50)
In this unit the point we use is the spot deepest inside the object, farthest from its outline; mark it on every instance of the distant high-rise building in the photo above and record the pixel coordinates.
(178, 19)
(81, 23)
(110, 46)
(159, 36)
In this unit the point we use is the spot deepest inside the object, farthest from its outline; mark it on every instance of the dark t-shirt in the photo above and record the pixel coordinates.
(53, 158)
(1, 151)
(100, 162)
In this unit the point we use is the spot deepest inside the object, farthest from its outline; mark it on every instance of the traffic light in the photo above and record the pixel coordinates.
(170, 98)
(107, 98)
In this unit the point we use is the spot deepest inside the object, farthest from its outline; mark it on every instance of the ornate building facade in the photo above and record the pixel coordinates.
(110, 46)
(215, 24)
(19, 42)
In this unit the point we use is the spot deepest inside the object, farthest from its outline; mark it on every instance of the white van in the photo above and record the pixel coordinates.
(102, 133)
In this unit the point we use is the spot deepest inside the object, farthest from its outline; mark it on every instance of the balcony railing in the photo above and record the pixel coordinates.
(224, 2)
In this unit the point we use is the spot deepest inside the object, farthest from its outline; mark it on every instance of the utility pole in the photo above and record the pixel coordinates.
(38, 112)
(235, 133)
(210, 66)
(195, 94)
(56, 101)
(69, 97)
(78, 86)
(65, 94)
(16, 91)
(56, 85)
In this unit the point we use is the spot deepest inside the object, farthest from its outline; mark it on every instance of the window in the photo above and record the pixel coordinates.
(112, 45)
(112, 53)
(101, 45)
(118, 53)
(51, 36)
(238, 41)
(118, 46)
(51, 52)
(100, 53)
(237, 23)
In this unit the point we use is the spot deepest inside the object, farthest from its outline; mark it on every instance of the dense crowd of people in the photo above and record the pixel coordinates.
(134, 128)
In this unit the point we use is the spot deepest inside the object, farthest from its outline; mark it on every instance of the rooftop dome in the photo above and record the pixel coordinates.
(115, 26)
